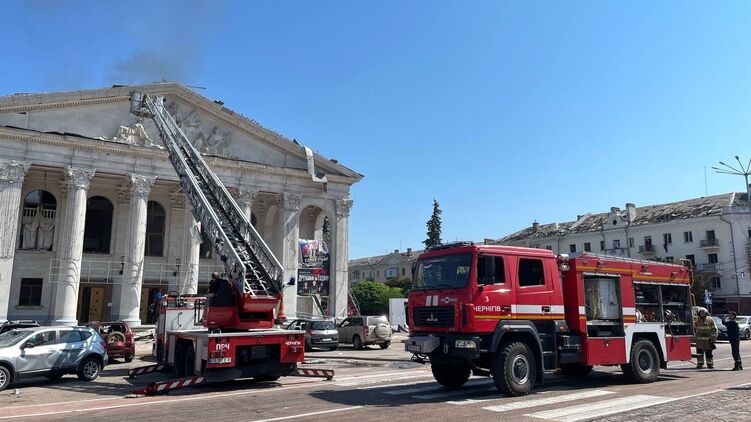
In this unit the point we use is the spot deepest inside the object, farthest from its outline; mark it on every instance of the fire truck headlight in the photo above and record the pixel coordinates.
(465, 344)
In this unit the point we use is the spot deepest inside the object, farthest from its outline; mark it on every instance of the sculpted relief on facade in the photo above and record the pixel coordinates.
(216, 143)
(134, 134)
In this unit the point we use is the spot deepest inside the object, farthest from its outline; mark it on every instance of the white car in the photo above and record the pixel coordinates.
(744, 327)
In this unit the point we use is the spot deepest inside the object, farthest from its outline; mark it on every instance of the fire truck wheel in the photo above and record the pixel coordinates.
(449, 375)
(190, 360)
(266, 377)
(514, 369)
(645, 364)
(179, 364)
(576, 370)
(357, 343)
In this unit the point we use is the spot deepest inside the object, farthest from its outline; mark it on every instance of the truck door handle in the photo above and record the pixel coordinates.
(546, 308)
(505, 308)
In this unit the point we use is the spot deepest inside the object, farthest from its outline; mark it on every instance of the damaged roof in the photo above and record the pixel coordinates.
(649, 214)
(379, 259)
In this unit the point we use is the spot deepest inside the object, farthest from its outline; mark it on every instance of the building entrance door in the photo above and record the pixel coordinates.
(91, 304)
(148, 313)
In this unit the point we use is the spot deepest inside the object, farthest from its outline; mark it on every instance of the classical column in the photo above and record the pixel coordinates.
(129, 303)
(192, 244)
(290, 229)
(245, 198)
(338, 263)
(12, 174)
(71, 245)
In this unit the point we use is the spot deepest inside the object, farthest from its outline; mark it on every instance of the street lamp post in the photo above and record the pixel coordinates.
(744, 171)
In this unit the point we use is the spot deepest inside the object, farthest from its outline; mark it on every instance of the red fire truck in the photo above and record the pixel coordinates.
(233, 333)
(515, 313)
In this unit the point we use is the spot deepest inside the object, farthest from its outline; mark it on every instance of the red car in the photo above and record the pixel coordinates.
(119, 337)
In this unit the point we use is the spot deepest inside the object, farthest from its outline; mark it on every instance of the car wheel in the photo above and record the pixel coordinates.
(747, 334)
(4, 378)
(450, 376)
(129, 358)
(385, 345)
(89, 369)
(514, 369)
(332, 348)
(357, 343)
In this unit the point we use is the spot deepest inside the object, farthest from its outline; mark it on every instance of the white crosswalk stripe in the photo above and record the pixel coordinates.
(381, 379)
(524, 404)
(600, 408)
(436, 387)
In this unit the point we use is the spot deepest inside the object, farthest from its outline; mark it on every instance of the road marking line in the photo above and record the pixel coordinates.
(379, 380)
(435, 387)
(475, 401)
(381, 374)
(599, 409)
(452, 393)
(548, 400)
(302, 415)
(401, 384)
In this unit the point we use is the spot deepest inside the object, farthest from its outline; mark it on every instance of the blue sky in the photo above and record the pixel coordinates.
(506, 112)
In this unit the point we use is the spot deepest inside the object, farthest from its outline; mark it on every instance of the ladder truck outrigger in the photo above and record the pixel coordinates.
(239, 337)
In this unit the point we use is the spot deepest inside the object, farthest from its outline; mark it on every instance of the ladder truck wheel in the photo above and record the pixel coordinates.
(645, 363)
(357, 343)
(450, 376)
(179, 363)
(514, 369)
(576, 370)
(190, 360)
(266, 377)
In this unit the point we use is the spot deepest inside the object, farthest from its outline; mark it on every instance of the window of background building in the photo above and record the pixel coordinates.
(710, 235)
(97, 231)
(31, 292)
(572, 248)
(712, 257)
(688, 237)
(630, 242)
(602, 245)
(648, 242)
(587, 247)
(616, 244)
(155, 222)
(404, 271)
(550, 248)
(692, 259)
(716, 283)
(668, 259)
(667, 238)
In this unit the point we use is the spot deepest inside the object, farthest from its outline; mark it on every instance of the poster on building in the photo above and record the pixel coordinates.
(313, 268)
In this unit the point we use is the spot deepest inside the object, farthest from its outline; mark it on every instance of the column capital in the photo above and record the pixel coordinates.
(141, 185)
(290, 202)
(13, 171)
(244, 195)
(343, 206)
(78, 178)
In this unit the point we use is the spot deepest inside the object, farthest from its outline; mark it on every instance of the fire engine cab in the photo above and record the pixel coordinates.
(516, 313)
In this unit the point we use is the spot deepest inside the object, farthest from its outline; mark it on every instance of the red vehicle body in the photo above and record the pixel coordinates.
(120, 339)
(516, 313)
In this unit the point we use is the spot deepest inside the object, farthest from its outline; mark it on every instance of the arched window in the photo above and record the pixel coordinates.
(98, 229)
(155, 219)
(38, 220)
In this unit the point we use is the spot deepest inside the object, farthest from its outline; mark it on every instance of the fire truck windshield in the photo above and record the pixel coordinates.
(443, 272)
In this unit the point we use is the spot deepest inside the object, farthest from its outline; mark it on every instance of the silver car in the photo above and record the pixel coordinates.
(363, 330)
(318, 332)
(744, 327)
(50, 352)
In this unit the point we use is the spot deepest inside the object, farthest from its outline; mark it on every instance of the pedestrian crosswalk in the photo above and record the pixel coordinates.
(552, 404)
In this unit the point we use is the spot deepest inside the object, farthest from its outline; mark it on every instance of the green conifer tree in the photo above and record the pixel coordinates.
(434, 227)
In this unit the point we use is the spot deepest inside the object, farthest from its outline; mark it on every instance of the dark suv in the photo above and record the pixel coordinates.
(318, 332)
(11, 325)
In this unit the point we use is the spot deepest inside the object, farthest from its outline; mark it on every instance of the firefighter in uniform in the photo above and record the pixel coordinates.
(706, 334)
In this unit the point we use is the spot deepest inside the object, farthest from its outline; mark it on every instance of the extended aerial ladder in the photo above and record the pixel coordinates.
(250, 264)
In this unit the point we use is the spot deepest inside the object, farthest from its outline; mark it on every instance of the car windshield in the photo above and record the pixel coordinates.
(443, 272)
(741, 320)
(375, 320)
(12, 337)
(324, 325)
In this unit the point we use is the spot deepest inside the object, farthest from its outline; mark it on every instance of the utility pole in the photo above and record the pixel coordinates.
(744, 171)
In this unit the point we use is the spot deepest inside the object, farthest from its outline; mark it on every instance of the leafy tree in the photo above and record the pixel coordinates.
(434, 227)
(404, 284)
(374, 297)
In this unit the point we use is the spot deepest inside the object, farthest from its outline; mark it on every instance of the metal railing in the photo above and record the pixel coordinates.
(709, 243)
(647, 249)
(715, 266)
(111, 272)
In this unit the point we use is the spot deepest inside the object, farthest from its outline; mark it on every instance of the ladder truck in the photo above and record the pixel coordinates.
(239, 337)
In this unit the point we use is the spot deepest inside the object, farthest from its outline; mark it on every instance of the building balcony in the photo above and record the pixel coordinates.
(710, 268)
(709, 243)
(647, 249)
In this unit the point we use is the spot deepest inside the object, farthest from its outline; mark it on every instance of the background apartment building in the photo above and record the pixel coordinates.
(383, 268)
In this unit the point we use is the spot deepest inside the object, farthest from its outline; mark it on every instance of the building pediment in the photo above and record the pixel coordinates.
(213, 129)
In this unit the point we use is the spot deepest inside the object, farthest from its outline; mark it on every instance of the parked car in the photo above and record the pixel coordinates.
(120, 339)
(361, 331)
(25, 323)
(722, 330)
(50, 352)
(318, 332)
(744, 326)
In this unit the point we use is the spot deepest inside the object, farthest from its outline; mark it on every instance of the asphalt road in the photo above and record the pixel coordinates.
(384, 386)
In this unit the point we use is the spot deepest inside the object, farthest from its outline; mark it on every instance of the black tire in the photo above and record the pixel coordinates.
(645, 363)
(159, 352)
(576, 370)
(357, 343)
(514, 369)
(450, 376)
(89, 369)
(385, 345)
(190, 361)
(129, 358)
(332, 348)
(179, 364)
(267, 377)
(5, 377)
(747, 335)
